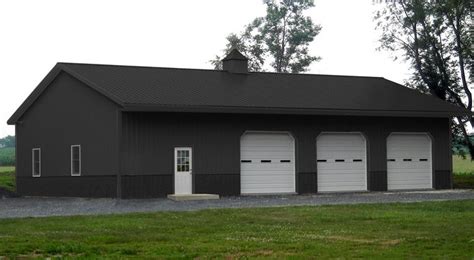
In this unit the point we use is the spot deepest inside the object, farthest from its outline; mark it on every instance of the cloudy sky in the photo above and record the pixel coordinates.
(37, 34)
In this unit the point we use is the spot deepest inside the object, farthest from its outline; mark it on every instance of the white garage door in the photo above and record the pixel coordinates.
(409, 161)
(341, 159)
(267, 163)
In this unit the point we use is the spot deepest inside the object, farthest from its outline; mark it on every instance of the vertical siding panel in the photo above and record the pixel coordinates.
(215, 139)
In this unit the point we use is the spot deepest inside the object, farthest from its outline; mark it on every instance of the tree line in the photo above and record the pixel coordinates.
(7, 151)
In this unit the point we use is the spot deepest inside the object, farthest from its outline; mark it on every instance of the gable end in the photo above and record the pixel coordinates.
(44, 84)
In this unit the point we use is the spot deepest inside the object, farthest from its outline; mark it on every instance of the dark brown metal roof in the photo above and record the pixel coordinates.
(235, 55)
(196, 90)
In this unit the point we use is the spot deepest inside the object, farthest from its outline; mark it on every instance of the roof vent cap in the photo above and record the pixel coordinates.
(235, 62)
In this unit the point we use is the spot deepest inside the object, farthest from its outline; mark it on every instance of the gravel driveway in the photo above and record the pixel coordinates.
(42, 207)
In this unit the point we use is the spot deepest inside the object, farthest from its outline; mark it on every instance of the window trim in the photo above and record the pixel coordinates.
(72, 160)
(33, 162)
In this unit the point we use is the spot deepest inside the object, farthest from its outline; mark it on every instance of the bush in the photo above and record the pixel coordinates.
(7, 156)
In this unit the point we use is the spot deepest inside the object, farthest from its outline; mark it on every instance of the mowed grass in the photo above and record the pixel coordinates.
(416, 230)
(463, 169)
(461, 165)
(7, 177)
(7, 169)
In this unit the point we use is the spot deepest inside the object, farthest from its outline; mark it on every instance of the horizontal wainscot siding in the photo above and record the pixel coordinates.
(146, 186)
(148, 141)
(85, 186)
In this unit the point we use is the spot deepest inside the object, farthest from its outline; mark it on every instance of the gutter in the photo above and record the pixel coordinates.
(292, 111)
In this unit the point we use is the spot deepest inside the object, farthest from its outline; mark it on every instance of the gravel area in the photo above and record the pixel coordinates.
(43, 207)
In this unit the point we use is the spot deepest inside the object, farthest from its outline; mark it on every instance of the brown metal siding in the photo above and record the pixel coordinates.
(68, 113)
(149, 139)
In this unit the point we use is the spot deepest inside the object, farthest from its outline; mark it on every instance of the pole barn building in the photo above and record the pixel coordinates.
(139, 132)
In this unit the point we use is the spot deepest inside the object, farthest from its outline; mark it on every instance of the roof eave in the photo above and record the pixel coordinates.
(289, 111)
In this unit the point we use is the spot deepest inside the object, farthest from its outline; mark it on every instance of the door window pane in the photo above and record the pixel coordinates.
(182, 160)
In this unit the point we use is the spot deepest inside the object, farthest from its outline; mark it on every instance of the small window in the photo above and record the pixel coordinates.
(322, 160)
(246, 161)
(391, 160)
(75, 160)
(357, 160)
(423, 160)
(339, 160)
(285, 161)
(407, 160)
(266, 161)
(183, 159)
(36, 162)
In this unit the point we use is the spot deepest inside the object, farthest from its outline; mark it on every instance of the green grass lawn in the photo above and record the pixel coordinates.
(7, 177)
(7, 169)
(415, 230)
(461, 165)
(463, 170)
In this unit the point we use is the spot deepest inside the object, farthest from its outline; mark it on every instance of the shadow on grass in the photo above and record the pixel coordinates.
(463, 180)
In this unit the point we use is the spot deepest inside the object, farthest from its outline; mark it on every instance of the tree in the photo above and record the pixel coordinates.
(434, 38)
(282, 36)
(8, 141)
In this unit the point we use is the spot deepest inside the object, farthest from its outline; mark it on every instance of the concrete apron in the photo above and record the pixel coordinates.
(188, 197)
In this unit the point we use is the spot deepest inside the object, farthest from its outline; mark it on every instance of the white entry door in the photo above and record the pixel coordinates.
(409, 161)
(341, 162)
(267, 163)
(183, 167)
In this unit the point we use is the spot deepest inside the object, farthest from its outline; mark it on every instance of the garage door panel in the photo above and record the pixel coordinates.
(331, 186)
(268, 190)
(405, 167)
(409, 161)
(412, 174)
(417, 181)
(266, 148)
(325, 184)
(275, 158)
(338, 175)
(265, 175)
(331, 173)
(267, 167)
(341, 187)
(267, 163)
(276, 181)
(341, 166)
(409, 170)
(341, 162)
(413, 185)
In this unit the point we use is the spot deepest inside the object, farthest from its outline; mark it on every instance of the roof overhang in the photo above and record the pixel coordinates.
(290, 111)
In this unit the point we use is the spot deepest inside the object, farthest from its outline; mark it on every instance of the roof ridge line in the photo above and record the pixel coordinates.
(213, 70)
